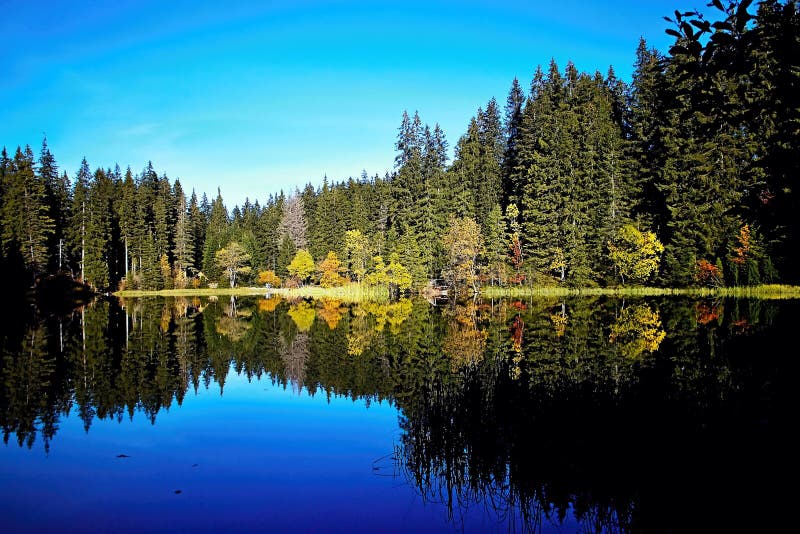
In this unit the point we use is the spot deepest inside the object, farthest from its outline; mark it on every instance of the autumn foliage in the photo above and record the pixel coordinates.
(708, 274)
(269, 278)
(329, 271)
(743, 250)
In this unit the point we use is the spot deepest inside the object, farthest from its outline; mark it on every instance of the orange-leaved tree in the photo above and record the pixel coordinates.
(269, 278)
(329, 269)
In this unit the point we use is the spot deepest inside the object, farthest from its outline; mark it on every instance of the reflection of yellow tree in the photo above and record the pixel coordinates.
(303, 315)
(360, 335)
(464, 342)
(166, 317)
(268, 305)
(331, 311)
(370, 318)
(393, 313)
(637, 330)
(231, 324)
(559, 321)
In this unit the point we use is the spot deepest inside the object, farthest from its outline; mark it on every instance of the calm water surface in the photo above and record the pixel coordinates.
(258, 414)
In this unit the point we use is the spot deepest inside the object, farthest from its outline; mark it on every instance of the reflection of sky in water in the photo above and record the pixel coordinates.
(267, 458)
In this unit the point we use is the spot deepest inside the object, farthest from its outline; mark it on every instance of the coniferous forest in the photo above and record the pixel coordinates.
(686, 176)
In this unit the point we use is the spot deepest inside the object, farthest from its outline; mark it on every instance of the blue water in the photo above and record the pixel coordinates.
(258, 457)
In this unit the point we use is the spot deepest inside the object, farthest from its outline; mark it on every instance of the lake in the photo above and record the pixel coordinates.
(258, 414)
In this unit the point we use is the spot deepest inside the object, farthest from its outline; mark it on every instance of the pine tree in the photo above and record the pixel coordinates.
(543, 191)
(5, 171)
(267, 235)
(466, 171)
(408, 187)
(127, 216)
(515, 102)
(488, 190)
(26, 225)
(163, 217)
(80, 212)
(183, 251)
(57, 195)
(773, 117)
(644, 150)
(327, 231)
(706, 144)
(432, 211)
(197, 227)
(357, 216)
(217, 234)
(97, 239)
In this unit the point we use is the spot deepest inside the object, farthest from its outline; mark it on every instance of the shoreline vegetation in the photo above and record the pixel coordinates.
(357, 293)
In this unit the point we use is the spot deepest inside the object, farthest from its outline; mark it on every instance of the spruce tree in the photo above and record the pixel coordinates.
(127, 216)
(645, 150)
(267, 235)
(217, 233)
(163, 217)
(79, 220)
(197, 227)
(183, 249)
(515, 102)
(26, 225)
(57, 194)
(488, 190)
(98, 226)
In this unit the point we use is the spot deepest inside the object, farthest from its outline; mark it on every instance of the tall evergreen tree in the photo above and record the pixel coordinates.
(197, 225)
(163, 217)
(217, 235)
(79, 220)
(515, 102)
(267, 234)
(26, 225)
(127, 216)
(183, 249)
(98, 227)
(488, 191)
(57, 194)
(645, 151)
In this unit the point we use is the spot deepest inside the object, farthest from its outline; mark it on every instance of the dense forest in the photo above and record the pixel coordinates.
(685, 176)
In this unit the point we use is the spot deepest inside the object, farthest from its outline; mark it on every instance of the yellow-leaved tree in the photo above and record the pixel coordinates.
(269, 278)
(463, 243)
(301, 266)
(635, 254)
(233, 260)
(357, 253)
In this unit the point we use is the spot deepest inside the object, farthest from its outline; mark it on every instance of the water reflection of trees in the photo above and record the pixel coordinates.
(542, 410)
(599, 427)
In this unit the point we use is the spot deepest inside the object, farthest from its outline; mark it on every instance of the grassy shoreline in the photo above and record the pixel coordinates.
(773, 291)
(349, 293)
(356, 293)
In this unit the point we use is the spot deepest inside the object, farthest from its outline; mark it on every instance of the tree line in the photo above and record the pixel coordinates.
(685, 176)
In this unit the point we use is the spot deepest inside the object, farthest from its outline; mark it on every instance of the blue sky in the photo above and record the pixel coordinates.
(257, 97)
